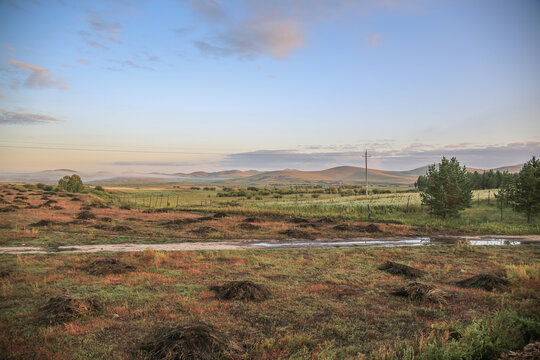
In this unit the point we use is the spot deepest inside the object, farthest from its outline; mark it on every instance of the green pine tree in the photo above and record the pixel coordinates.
(527, 192)
(446, 189)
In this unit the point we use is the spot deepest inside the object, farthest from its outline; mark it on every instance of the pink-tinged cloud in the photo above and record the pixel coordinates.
(39, 78)
(18, 118)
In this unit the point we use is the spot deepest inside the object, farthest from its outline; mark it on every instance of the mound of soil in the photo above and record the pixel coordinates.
(85, 208)
(343, 227)
(248, 226)
(205, 218)
(196, 341)
(75, 199)
(486, 281)
(56, 207)
(5, 273)
(326, 220)
(400, 269)
(10, 208)
(157, 211)
(204, 230)
(251, 219)
(220, 215)
(85, 215)
(20, 197)
(530, 352)
(108, 266)
(32, 207)
(415, 290)
(64, 308)
(298, 220)
(44, 222)
(241, 290)
(102, 227)
(297, 234)
(105, 219)
(121, 228)
(371, 228)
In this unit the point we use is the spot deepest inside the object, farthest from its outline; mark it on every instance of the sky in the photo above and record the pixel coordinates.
(185, 85)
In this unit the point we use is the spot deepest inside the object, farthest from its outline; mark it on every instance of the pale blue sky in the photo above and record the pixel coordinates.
(189, 85)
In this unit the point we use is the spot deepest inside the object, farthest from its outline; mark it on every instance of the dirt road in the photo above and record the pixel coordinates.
(276, 244)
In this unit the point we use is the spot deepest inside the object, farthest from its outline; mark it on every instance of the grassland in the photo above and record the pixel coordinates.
(324, 304)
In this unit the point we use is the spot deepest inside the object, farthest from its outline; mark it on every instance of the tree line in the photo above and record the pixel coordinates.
(479, 181)
(447, 188)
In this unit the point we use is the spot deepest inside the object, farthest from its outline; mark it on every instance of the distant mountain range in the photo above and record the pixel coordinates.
(336, 175)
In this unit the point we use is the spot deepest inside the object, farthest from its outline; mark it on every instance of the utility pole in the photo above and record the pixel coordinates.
(367, 184)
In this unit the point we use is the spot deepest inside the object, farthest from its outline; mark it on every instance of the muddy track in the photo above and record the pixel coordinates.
(277, 244)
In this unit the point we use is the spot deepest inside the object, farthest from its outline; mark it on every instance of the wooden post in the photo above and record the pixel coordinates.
(408, 199)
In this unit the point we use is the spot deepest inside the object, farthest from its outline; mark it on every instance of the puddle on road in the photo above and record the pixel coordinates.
(419, 241)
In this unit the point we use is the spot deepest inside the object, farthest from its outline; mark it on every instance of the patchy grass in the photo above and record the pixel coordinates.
(324, 304)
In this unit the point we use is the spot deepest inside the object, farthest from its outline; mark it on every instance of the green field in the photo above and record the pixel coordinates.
(400, 207)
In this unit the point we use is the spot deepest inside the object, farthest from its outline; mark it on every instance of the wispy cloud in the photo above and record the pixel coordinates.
(108, 31)
(154, 163)
(38, 78)
(373, 40)
(274, 28)
(18, 118)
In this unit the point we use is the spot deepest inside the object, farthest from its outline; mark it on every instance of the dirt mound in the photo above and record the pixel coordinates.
(56, 207)
(85, 207)
(121, 228)
(20, 197)
(64, 308)
(204, 230)
(108, 266)
(156, 211)
(194, 341)
(343, 227)
(251, 219)
(248, 226)
(5, 273)
(85, 215)
(75, 199)
(371, 228)
(415, 290)
(297, 234)
(10, 208)
(326, 220)
(486, 281)
(298, 220)
(220, 215)
(241, 290)
(530, 352)
(105, 219)
(44, 222)
(102, 227)
(400, 269)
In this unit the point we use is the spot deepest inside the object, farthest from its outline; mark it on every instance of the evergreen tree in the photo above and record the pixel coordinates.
(506, 191)
(447, 188)
(527, 193)
(71, 183)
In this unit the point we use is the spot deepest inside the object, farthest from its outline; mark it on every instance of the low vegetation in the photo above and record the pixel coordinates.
(322, 304)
